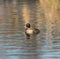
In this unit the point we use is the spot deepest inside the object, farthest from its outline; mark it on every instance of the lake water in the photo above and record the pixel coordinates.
(13, 41)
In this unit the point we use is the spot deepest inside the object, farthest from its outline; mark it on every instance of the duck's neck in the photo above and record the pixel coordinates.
(28, 27)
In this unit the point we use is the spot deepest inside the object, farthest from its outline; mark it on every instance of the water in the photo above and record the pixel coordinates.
(13, 42)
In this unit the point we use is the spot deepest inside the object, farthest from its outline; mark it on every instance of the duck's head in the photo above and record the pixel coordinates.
(28, 25)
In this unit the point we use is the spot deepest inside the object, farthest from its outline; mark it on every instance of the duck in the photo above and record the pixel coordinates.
(30, 31)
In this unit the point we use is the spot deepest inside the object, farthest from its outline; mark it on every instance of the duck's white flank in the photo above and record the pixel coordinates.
(29, 31)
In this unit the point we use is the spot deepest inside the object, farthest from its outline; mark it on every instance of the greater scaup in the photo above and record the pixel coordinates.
(29, 31)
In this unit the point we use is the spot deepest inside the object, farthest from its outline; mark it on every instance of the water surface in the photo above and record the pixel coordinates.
(13, 42)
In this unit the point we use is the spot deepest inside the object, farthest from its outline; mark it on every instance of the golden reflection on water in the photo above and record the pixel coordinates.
(26, 13)
(43, 14)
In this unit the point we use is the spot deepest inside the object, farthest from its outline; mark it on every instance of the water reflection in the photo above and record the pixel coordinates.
(13, 41)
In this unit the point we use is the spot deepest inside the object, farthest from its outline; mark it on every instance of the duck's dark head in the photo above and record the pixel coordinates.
(28, 25)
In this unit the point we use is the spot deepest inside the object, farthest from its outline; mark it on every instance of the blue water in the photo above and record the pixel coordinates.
(13, 41)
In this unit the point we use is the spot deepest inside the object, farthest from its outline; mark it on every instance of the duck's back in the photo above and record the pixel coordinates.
(36, 31)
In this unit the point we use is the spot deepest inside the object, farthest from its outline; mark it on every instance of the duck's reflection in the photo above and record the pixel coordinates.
(30, 47)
